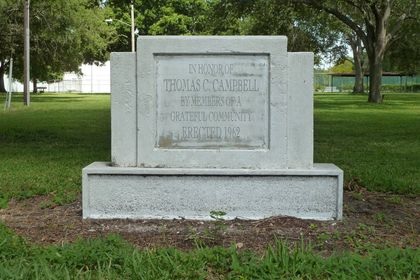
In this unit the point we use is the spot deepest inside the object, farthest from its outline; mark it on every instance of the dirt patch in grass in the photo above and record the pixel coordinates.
(371, 220)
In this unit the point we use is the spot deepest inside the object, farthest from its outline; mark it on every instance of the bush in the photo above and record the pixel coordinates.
(399, 88)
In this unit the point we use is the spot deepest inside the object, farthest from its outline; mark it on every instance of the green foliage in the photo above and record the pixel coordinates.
(217, 215)
(415, 88)
(10, 22)
(345, 67)
(162, 17)
(113, 258)
(173, 24)
(404, 53)
(11, 246)
(65, 34)
(10, 27)
(186, 17)
(400, 88)
(306, 30)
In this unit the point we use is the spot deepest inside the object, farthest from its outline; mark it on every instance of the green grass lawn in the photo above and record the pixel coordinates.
(378, 146)
(113, 258)
(44, 147)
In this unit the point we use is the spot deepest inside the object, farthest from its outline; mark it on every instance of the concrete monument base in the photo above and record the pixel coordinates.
(167, 193)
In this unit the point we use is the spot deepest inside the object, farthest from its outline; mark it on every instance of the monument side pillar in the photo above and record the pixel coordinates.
(300, 112)
(123, 109)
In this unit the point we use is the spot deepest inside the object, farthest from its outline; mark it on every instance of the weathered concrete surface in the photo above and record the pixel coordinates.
(167, 193)
(300, 113)
(265, 138)
(123, 109)
(212, 102)
(204, 123)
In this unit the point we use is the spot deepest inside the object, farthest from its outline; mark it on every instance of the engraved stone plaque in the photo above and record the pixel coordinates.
(212, 101)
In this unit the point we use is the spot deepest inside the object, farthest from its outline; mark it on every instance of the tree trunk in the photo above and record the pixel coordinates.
(356, 46)
(34, 82)
(377, 42)
(2, 70)
(375, 78)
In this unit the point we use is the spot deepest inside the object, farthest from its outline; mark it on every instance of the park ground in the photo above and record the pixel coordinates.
(44, 147)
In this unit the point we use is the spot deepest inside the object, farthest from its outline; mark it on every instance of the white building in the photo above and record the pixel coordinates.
(94, 79)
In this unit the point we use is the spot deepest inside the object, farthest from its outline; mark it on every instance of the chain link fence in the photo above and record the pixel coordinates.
(344, 82)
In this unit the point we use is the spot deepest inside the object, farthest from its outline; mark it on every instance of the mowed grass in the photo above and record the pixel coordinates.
(44, 147)
(377, 145)
(113, 258)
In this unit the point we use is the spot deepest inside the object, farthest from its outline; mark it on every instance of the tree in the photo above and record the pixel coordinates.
(305, 29)
(158, 17)
(404, 54)
(377, 23)
(358, 62)
(64, 34)
(11, 22)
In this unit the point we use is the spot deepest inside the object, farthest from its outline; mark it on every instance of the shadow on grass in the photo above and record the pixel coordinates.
(52, 98)
(59, 98)
(359, 102)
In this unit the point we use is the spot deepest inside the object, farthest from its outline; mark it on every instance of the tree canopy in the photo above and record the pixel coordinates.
(158, 17)
(11, 22)
(64, 34)
(306, 30)
(404, 54)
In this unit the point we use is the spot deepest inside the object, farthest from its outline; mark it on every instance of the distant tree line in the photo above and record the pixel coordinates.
(382, 34)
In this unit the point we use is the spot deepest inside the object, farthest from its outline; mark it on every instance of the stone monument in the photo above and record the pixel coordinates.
(212, 123)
